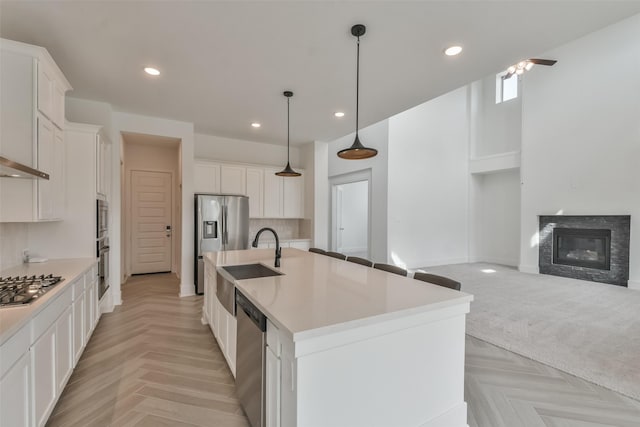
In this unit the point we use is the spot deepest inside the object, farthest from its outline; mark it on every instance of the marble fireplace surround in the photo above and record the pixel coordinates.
(620, 226)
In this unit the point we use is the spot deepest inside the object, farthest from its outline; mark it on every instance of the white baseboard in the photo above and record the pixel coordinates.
(187, 290)
(106, 303)
(434, 262)
(634, 284)
(501, 261)
(533, 269)
(456, 416)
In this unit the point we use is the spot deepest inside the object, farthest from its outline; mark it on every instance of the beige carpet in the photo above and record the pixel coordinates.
(587, 329)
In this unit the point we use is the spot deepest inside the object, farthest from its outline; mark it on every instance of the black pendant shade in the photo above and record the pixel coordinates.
(357, 151)
(288, 171)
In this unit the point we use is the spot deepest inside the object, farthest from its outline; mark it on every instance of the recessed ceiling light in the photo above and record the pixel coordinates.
(255, 124)
(453, 50)
(152, 71)
(338, 114)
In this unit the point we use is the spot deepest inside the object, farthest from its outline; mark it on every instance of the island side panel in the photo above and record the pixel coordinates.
(412, 377)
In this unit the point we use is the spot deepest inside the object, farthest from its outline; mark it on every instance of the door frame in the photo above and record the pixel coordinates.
(348, 178)
(129, 218)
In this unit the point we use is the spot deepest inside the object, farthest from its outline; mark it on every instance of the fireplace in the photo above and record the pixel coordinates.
(592, 248)
(582, 247)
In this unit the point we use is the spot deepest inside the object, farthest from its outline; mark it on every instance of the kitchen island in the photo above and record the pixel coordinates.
(349, 345)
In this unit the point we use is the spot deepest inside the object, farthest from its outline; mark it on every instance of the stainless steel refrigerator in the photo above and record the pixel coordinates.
(221, 224)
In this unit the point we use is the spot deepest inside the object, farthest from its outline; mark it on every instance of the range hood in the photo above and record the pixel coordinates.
(11, 169)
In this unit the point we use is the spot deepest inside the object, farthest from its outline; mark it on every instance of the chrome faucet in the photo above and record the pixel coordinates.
(278, 248)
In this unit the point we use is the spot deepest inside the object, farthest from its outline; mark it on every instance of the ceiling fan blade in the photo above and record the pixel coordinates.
(542, 61)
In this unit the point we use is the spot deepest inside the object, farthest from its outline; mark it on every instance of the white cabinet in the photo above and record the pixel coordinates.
(15, 394)
(89, 312)
(272, 377)
(103, 164)
(43, 363)
(64, 348)
(32, 113)
(255, 191)
(233, 179)
(273, 200)
(222, 323)
(293, 194)
(206, 177)
(78, 324)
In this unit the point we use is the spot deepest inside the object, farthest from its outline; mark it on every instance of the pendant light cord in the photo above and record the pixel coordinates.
(288, 129)
(357, 82)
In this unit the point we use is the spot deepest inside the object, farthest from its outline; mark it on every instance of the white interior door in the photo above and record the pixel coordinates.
(150, 222)
(352, 218)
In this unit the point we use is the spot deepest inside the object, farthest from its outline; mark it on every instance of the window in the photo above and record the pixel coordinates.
(506, 89)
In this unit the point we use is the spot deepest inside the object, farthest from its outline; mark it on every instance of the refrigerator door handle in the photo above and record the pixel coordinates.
(225, 225)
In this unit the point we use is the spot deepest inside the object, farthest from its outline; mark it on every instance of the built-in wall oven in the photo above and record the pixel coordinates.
(102, 245)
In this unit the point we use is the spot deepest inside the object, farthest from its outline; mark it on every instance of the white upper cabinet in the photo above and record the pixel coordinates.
(32, 114)
(273, 201)
(103, 165)
(270, 196)
(233, 179)
(206, 177)
(255, 191)
(293, 194)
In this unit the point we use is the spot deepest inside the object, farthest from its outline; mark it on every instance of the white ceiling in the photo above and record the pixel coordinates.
(225, 64)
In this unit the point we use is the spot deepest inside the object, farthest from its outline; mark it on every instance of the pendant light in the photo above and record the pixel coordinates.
(357, 151)
(287, 171)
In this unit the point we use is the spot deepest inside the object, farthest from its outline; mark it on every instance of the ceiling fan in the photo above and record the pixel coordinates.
(526, 65)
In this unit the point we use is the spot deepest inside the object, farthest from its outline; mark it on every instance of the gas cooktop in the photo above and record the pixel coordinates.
(19, 290)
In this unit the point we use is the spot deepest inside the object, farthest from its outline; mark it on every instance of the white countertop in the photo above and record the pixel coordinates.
(12, 318)
(318, 294)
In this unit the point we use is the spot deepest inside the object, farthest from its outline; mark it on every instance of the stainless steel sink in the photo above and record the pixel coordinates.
(250, 271)
(226, 289)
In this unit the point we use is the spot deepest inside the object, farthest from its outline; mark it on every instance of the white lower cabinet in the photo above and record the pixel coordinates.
(43, 363)
(14, 394)
(64, 348)
(78, 325)
(272, 388)
(37, 361)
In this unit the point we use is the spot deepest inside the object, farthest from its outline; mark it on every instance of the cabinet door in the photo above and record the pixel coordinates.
(15, 394)
(46, 161)
(78, 327)
(43, 370)
(206, 178)
(221, 321)
(58, 181)
(95, 304)
(272, 194)
(58, 105)
(294, 197)
(255, 191)
(99, 165)
(64, 348)
(88, 313)
(272, 388)
(45, 89)
(232, 331)
(233, 179)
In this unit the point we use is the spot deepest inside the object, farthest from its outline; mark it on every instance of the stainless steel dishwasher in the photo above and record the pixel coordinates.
(252, 327)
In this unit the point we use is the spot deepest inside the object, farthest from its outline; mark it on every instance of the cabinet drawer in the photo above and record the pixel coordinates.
(48, 316)
(14, 348)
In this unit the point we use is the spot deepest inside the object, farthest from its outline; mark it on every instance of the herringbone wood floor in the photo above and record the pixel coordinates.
(152, 363)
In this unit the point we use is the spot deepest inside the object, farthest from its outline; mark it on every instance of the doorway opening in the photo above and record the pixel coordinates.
(151, 204)
(351, 214)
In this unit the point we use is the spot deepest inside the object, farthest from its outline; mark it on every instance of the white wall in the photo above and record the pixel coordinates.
(90, 112)
(14, 238)
(428, 180)
(496, 128)
(375, 136)
(237, 150)
(123, 122)
(581, 135)
(497, 218)
(321, 194)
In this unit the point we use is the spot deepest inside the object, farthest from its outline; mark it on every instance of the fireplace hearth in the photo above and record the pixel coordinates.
(592, 248)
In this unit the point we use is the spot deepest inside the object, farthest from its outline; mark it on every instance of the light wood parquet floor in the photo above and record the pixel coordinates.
(152, 363)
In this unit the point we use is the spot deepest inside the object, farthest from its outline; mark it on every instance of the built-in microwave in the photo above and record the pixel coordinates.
(102, 223)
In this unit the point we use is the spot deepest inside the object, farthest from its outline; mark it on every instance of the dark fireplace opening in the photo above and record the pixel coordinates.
(582, 247)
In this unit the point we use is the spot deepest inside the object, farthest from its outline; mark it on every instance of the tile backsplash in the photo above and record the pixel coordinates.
(14, 237)
(286, 228)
